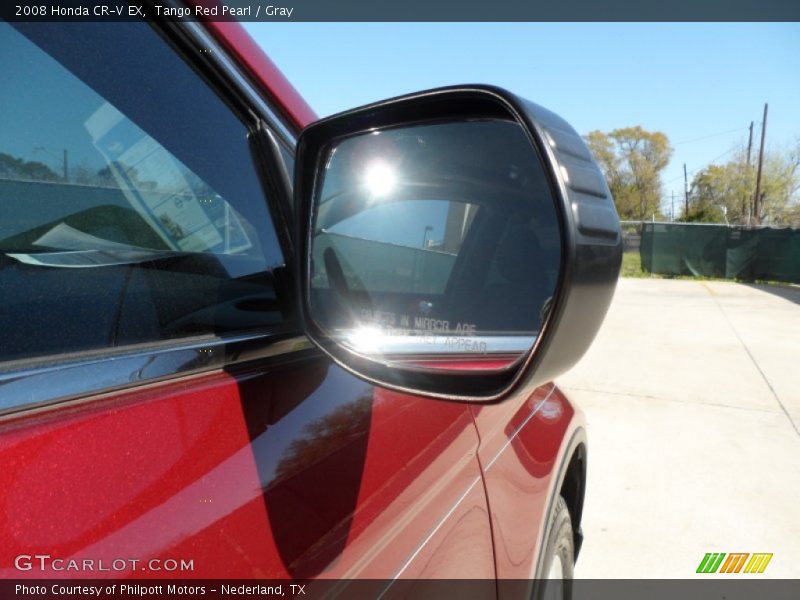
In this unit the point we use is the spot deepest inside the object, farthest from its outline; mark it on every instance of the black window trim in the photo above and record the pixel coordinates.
(42, 383)
(225, 69)
(55, 383)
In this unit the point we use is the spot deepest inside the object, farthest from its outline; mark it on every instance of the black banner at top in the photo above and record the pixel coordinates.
(402, 10)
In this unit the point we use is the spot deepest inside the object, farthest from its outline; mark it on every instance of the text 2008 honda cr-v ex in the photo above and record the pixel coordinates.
(239, 342)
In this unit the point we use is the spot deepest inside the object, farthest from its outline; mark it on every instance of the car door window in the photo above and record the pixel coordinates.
(130, 208)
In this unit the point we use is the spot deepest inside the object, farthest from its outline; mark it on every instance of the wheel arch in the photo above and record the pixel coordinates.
(571, 477)
(573, 490)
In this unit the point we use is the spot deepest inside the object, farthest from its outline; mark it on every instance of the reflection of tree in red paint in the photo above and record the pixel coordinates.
(325, 435)
(312, 499)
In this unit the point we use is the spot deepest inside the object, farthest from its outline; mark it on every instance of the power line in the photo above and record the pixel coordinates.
(703, 166)
(707, 137)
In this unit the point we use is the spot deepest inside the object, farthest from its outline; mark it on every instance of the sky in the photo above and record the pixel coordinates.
(699, 83)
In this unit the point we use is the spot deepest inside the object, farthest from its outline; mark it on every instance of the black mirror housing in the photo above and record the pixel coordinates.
(589, 231)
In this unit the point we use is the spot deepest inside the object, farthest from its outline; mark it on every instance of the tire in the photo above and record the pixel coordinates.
(560, 547)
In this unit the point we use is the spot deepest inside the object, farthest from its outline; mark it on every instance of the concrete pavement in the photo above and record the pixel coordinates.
(692, 394)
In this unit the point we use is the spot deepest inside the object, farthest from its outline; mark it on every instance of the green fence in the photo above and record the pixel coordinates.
(721, 251)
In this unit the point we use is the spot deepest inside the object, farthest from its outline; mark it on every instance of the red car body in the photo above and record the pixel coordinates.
(286, 467)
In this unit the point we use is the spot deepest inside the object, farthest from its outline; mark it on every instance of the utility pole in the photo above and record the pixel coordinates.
(757, 199)
(672, 209)
(745, 203)
(64, 158)
(428, 229)
(686, 193)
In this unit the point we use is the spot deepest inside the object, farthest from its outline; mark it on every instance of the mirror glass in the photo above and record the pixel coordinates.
(435, 245)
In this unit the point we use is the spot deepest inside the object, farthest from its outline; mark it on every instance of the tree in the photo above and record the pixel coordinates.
(717, 193)
(728, 189)
(12, 167)
(632, 160)
(323, 436)
(780, 184)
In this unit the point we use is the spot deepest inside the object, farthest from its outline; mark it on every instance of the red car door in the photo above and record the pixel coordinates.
(161, 415)
(532, 450)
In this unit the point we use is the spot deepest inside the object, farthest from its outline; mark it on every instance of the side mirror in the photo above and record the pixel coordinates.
(458, 243)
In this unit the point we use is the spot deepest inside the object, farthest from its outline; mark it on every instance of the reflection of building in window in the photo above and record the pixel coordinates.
(437, 245)
(459, 219)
